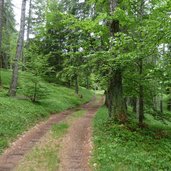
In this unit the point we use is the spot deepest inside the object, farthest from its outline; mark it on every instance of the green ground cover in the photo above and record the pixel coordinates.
(123, 148)
(18, 114)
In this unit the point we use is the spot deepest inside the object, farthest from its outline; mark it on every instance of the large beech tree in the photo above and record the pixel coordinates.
(116, 103)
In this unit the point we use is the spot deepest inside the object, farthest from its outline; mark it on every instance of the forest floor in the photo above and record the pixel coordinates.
(75, 145)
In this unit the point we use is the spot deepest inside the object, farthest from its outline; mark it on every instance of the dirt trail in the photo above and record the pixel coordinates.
(11, 157)
(76, 148)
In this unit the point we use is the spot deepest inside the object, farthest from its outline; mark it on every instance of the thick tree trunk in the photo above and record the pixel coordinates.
(14, 81)
(1, 26)
(117, 104)
(117, 107)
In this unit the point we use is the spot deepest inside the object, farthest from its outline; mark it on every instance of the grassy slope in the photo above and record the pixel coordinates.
(123, 148)
(17, 115)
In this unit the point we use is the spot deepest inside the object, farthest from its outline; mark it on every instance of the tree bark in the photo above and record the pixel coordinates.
(141, 87)
(141, 97)
(29, 23)
(35, 92)
(169, 105)
(28, 35)
(134, 104)
(1, 20)
(117, 104)
(161, 106)
(14, 80)
(1, 27)
(87, 82)
(117, 107)
(76, 85)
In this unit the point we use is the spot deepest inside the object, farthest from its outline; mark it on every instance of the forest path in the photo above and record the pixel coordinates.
(76, 145)
(13, 155)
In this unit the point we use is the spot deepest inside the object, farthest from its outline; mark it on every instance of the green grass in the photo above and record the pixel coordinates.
(128, 148)
(17, 115)
(78, 114)
(59, 129)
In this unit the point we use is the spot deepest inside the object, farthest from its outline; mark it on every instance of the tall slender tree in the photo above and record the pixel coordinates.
(29, 29)
(141, 88)
(1, 21)
(9, 34)
(14, 80)
(29, 22)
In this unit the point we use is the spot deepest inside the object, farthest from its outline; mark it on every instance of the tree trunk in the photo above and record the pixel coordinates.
(76, 85)
(134, 105)
(161, 106)
(69, 83)
(169, 105)
(106, 99)
(141, 88)
(35, 92)
(28, 35)
(5, 61)
(117, 103)
(117, 107)
(1, 20)
(14, 81)
(141, 97)
(1, 27)
(87, 82)
(29, 23)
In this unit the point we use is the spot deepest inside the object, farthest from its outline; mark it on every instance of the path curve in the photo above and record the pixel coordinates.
(11, 157)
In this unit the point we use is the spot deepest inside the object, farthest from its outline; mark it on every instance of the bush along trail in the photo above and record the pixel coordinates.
(77, 140)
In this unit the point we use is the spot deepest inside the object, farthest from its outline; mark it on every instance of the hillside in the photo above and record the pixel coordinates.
(18, 114)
